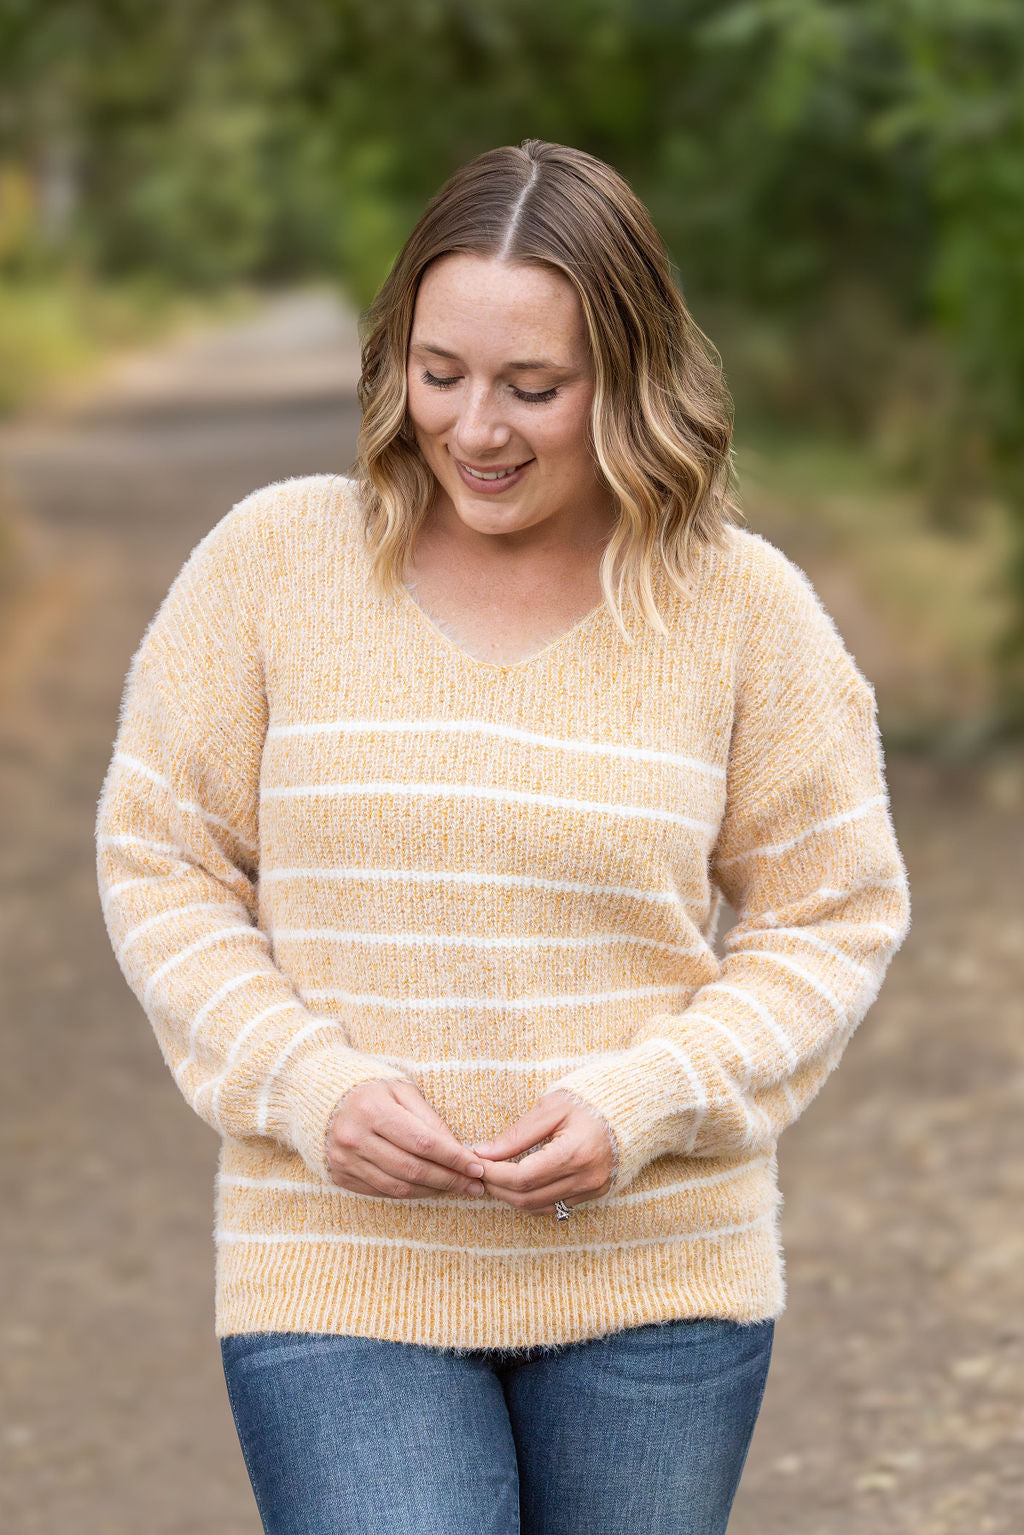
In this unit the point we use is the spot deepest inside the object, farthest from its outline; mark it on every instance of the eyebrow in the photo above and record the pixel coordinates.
(523, 367)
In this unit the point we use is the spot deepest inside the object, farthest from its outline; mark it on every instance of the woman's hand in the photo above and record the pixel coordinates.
(575, 1166)
(385, 1139)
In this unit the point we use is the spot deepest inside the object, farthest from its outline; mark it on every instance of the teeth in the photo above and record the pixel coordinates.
(500, 474)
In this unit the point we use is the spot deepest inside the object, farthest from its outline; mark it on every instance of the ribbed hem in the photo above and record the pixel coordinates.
(464, 1300)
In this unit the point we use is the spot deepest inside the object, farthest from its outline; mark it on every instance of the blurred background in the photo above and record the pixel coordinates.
(195, 202)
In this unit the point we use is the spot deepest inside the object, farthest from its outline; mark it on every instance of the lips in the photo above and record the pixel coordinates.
(492, 481)
(492, 474)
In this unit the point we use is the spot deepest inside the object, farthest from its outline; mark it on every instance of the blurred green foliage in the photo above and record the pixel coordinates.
(841, 182)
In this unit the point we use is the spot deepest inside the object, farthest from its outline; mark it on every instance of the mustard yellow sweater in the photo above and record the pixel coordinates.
(332, 847)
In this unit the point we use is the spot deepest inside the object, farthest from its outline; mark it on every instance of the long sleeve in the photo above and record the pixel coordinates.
(177, 842)
(807, 857)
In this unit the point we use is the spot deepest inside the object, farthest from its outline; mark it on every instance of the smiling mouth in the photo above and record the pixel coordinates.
(493, 474)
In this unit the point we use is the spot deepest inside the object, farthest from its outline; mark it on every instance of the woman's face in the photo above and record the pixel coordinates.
(500, 378)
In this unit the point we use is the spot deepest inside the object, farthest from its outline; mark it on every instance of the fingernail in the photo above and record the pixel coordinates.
(475, 1170)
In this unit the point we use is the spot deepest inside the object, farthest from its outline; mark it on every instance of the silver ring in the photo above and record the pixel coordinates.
(562, 1209)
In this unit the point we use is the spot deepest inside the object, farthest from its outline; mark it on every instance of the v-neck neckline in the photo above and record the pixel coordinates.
(477, 662)
(475, 665)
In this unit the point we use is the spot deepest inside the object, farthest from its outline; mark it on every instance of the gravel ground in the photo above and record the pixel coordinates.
(894, 1402)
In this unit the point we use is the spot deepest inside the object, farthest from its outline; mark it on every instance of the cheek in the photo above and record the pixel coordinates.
(566, 438)
(429, 411)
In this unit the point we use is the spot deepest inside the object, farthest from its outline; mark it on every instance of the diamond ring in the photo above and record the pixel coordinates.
(562, 1209)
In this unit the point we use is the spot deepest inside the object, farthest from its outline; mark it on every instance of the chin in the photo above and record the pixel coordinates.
(484, 518)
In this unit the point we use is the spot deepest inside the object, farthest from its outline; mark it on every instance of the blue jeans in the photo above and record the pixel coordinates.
(642, 1432)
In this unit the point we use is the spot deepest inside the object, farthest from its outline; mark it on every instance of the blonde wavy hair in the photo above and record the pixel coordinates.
(661, 421)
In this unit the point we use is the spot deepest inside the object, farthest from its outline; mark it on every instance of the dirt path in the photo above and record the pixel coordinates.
(895, 1398)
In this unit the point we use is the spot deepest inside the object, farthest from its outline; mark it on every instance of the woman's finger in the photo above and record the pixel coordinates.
(418, 1105)
(424, 1136)
(394, 1114)
(553, 1162)
(542, 1201)
(394, 1166)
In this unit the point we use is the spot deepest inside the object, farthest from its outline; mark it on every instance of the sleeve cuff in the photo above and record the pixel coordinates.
(631, 1091)
(315, 1086)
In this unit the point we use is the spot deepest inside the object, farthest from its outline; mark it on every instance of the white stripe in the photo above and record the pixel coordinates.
(678, 1054)
(772, 924)
(105, 839)
(127, 884)
(805, 975)
(503, 732)
(485, 792)
(827, 893)
(161, 916)
(230, 985)
(643, 1197)
(204, 1012)
(215, 820)
(415, 1004)
(263, 1238)
(734, 1039)
(869, 882)
(474, 941)
(216, 1083)
(317, 1026)
(236, 1044)
(758, 1118)
(137, 766)
(193, 948)
(555, 1064)
(883, 927)
(191, 807)
(762, 1012)
(761, 1122)
(772, 848)
(472, 877)
(805, 937)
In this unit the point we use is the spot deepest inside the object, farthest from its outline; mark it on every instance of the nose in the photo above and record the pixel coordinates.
(479, 428)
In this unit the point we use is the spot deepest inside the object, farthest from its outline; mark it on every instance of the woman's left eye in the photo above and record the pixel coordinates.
(535, 399)
(521, 394)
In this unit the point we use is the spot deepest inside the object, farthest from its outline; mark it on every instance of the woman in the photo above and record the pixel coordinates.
(427, 789)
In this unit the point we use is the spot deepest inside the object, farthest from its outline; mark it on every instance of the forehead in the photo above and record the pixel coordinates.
(467, 300)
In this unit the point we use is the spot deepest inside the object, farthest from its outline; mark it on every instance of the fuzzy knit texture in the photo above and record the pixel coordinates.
(332, 846)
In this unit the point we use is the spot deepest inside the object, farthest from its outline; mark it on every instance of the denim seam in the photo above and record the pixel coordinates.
(767, 1368)
(245, 1453)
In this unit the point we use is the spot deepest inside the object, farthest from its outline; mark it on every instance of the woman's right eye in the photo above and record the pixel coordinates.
(438, 383)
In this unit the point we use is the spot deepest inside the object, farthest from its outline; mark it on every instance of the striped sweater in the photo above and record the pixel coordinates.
(334, 847)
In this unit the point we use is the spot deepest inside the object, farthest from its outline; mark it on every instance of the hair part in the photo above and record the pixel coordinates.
(662, 416)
